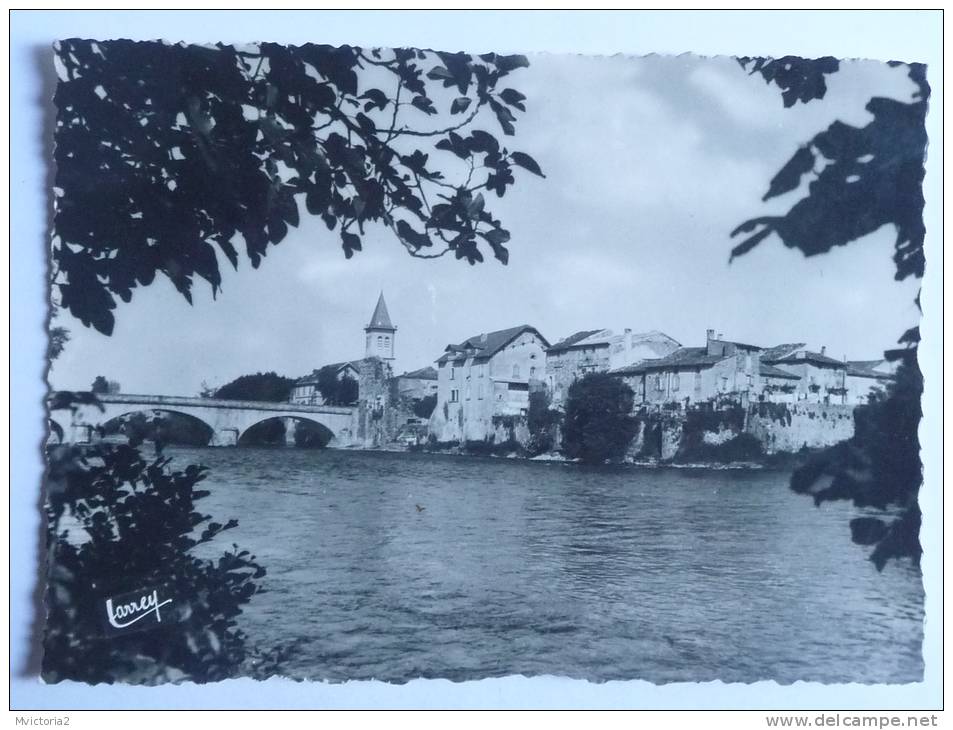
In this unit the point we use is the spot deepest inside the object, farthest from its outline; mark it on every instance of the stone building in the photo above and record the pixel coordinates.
(777, 385)
(417, 384)
(591, 351)
(865, 377)
(486, 377)
(823, 379)
(722, 369)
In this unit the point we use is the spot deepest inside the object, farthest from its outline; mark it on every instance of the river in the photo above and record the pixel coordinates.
(517, 567)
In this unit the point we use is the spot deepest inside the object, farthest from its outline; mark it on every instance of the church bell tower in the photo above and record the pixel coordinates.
(380, 333)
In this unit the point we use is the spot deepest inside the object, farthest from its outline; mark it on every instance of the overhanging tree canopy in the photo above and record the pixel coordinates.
(167, 154)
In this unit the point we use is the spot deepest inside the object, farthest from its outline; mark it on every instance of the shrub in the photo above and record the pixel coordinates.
(423, 407)
(598, 424)
(133, 526)
(541, 421)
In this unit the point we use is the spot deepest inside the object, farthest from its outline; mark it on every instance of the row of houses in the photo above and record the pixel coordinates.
(490, 376)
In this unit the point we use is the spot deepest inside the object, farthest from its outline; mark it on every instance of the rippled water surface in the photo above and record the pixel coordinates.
(518, 567)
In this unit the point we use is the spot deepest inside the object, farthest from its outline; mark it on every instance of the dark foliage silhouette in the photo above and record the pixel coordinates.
(423, 407)
(598, 424)
(269, 387)
(869, 177)
(861, 178)
(133, 526)
(337, 390)
(542, 422)
(168, 155)
(879, 467)
(59, 336)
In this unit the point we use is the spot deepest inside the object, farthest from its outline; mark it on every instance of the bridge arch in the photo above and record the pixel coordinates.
(289, 430)
(186, 428)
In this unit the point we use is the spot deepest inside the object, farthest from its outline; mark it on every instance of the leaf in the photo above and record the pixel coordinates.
(460, 104)
(527, 163)
(475, 206)
(415, 239)
(513, 98)
(749, 243)
(376, 97)
(505, 64)
(366, 123)
(504, 116)
(316, 200)
(789, 176)
(439, 73)
(480, 141)
(424, 104)
(350, 242)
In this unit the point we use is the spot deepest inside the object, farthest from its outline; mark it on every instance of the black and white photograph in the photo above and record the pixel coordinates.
(400, 363)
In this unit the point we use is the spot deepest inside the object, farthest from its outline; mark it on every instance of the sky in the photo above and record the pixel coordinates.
(650, 162)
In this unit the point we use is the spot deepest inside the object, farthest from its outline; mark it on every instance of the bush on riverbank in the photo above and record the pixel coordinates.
(598, 425)
(133, 526)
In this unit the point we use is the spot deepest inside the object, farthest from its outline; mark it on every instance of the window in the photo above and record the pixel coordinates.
(468, 388)
(658, 382)
(724, 382)
(675, 381)
(532, 372)
(698, 380)
(516, 370)
(380, 341)
(750, 381)
(452, 372)
(387, 340)
(454, 396)
(479, 391)
(480, 371)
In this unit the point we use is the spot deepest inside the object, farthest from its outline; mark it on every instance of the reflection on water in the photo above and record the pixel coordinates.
(532, 568)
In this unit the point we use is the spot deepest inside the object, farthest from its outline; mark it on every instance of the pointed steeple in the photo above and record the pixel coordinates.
(380, 333)
(380, 320)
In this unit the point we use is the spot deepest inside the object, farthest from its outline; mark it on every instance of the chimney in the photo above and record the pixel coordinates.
(710, 334)
(823, 349)
(483, 338)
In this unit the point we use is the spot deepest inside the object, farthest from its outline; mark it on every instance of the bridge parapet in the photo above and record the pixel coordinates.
(176, 400)
(228, 420)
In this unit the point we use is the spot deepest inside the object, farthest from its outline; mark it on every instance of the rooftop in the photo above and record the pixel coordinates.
(312, 377)
(775, 353)
(427, 373)
(769, 371)
(865, 369)
(380, 320)
(575, 340)
(487, 344)
(684, 357)
(816, 358)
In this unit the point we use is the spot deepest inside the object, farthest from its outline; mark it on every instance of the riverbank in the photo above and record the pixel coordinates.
(782, 460)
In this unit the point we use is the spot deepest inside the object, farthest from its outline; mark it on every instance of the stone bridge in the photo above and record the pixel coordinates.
(228, 420)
